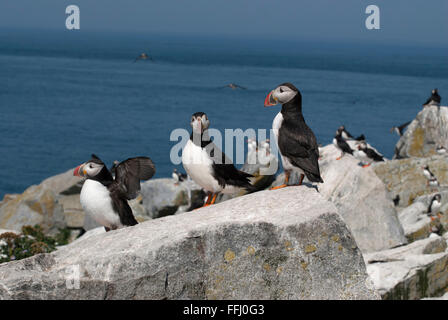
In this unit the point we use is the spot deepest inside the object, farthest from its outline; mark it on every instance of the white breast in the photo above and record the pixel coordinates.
(361, 155)
(198, 165)
(96, 201)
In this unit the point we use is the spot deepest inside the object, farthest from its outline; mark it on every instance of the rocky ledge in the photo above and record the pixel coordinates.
(284, 244)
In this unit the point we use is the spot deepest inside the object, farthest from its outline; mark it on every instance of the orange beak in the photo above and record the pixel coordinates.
(270, 100)
(76, 172)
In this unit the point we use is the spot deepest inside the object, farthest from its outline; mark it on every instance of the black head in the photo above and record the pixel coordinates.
(94, 169)
(199, 122)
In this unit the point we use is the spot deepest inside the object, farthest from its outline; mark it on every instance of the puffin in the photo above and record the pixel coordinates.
(208, 166)
(441, 149)
(341, 144)
(399, 130)
(368, 155)
(396, 200)
(251, 162)
(234, 86)
(143, 56)
(178, 176)
(434, 99)
(105, 198)
(427, 173)
(347, 136)
(296, 141)
(434, 205)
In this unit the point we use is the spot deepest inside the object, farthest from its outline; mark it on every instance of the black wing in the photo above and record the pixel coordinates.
(225, 172)
(404, 125)
(129, 173)
(373, 155)
(121, 206)
(348, 134)
(344, 145)
(298, 143)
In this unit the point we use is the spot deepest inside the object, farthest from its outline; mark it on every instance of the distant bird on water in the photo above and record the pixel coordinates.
(234, 86)
(105, 198)
(434, 99)
(399, 130)
(296, 141)
(143, 56)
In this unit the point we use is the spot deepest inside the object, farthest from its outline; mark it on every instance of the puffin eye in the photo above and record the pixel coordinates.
(90, 166)
(281, 90)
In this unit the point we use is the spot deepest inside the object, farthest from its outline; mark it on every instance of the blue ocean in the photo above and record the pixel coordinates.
(64, 96)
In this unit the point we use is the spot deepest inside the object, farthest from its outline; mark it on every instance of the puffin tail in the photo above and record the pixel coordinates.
(314, 177)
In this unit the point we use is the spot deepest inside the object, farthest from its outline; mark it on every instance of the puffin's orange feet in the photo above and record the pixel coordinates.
(433, 218)
(279, 187)
(366, 165)
(213, 199)
(338, 158)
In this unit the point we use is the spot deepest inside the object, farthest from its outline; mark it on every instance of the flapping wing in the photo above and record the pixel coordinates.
(129, 173)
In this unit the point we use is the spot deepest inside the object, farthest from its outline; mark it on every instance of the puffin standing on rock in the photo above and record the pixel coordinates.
(434, 206)
(340, 143)
(296, 141)
(434, 99)
(208, 166)
(368, 155)
(104, 198)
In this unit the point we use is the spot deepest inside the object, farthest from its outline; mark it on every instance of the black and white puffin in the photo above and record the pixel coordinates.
(368, 155)
(296, 141)
(427, 173)
(341, 144)
(441, 149)
(178, 176)
(104, 198)
(434, 99)
(434, 205)
(347, 136)
(399, 130)
(208, 166)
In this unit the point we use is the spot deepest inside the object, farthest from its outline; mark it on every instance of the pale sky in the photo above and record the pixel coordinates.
(403, 22)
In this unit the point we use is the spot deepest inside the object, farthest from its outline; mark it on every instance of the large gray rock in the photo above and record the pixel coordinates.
(416, 222)
(163, 197)
(405, 177)
(282, 244)
(362, 200)
(37, 205)
(415, 271)
(427, 131)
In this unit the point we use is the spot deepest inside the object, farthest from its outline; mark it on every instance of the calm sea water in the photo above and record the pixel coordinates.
(64, 96)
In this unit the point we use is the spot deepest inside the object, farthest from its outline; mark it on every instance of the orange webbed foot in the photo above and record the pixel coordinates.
(279, 187)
